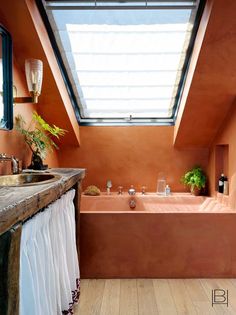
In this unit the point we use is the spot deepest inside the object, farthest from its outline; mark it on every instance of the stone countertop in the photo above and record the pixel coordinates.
(19, 203)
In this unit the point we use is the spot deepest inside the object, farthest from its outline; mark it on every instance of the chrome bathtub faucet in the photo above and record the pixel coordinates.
(132, 201)
(109, 185)
(132, 191)
(14, 162)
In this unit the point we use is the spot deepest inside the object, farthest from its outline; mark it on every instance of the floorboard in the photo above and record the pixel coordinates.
(154, 297)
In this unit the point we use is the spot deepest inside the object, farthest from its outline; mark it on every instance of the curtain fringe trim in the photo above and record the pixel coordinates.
(75, 299)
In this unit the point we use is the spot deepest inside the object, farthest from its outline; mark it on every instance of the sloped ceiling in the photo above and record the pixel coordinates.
(213, 87)
(30, 41)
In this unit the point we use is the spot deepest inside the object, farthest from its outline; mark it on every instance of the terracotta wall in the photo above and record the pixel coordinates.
(212, 81)
(131, 155)
(11, 142)
(225, 140)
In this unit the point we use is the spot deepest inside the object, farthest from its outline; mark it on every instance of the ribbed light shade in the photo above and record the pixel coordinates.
(34, 75)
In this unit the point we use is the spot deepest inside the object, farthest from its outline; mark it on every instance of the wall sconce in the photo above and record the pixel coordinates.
(34, 77)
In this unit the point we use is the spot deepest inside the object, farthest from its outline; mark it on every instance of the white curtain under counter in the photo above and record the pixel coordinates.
(49, 269)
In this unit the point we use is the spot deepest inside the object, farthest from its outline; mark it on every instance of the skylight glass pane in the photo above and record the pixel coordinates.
(124, 62)
(137, 78)
(105, 92)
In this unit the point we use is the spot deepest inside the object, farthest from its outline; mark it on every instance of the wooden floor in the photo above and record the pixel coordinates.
(154, 296)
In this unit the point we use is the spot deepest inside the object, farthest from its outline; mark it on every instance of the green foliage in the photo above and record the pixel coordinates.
(195, 178)
(38, 134)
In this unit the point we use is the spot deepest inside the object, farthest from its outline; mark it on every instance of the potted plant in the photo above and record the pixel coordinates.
(195, 179)
(38, 137)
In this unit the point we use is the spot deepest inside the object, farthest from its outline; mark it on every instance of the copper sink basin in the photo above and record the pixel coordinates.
(27, 179)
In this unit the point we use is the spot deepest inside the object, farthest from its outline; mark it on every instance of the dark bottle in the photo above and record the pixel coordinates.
(221, 184)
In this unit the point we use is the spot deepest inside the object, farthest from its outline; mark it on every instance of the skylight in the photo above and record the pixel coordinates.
(125, 60)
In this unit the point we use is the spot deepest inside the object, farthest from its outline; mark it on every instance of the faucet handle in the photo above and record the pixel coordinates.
(15, 165)
(120, 192)
(143, 190)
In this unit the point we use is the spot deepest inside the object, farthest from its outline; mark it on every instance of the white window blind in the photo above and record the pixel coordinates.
(123, 63)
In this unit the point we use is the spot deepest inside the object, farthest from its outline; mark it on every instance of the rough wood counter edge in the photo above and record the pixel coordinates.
(41, 196)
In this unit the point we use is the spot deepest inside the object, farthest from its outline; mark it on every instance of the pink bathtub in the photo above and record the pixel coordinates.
(180, 236)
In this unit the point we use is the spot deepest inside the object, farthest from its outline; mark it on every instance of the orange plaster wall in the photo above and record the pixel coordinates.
(199, 42)
(55, 101)
(212, 88)
(226, 136)
(11, 142)
(131, 156)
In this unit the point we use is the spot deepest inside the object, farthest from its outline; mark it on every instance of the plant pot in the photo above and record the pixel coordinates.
(195, 191)
(37, 163)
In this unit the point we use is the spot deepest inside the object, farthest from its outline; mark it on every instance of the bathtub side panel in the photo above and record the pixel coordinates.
(160, 245)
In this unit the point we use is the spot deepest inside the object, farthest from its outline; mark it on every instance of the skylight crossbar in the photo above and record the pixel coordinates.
(132, 71)
(116, 4)
(127, 99)
(121, 1)
(126, 7)
(127, 86)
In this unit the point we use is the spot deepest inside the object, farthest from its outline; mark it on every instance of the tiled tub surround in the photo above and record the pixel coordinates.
(180, 236)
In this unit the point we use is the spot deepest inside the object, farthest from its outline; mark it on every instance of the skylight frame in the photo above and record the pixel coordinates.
(124, 120)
